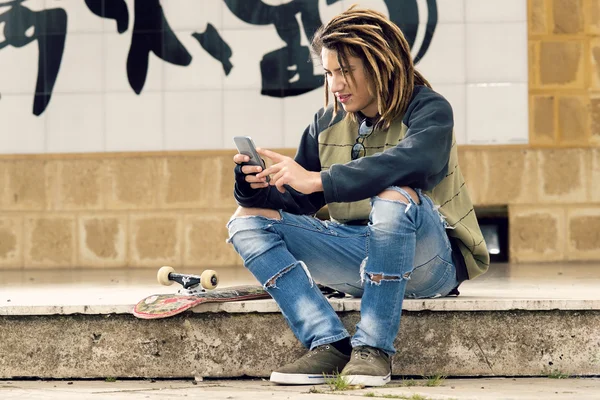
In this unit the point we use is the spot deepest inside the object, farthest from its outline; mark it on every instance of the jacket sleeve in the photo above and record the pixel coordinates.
(291, 201)
(420, 160)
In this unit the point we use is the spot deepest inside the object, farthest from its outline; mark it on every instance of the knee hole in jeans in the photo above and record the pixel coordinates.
(390, 194)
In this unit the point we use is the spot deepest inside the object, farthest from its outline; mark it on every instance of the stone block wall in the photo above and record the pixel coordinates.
(120, 210)
(149, 209)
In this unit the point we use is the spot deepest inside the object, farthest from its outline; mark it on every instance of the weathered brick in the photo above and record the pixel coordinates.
(132, 183)
(102, 240)
(543, 129)
(533, 53)
(595, 119)
(474, 165)
(536, 233)
(573, 119)
(538, 17)
(592, 16)
(594, 181)
(11, 241)
(205, 244)
(595, 63)
(80, 184)
(29, 185)
(49, 241)
(563, 175)
(225, 195)
(192, 182)
(511, 177)
(584, 234)
(155, 240)
(567, 16)
(561, 63)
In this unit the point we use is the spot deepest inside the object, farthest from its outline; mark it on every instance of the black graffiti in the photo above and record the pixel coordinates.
(287, 71)
(48, 28)
(213, 43)
(151, 33)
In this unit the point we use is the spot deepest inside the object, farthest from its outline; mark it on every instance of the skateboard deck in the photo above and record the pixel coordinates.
(168, 305)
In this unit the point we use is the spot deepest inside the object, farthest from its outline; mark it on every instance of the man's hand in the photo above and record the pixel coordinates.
(286, 171)
(249, 171)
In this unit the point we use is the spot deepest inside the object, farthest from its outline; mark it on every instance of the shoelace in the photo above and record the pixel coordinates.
(364, 352)
(318, 350)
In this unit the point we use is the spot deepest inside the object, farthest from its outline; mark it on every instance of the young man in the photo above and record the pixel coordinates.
(401, 223)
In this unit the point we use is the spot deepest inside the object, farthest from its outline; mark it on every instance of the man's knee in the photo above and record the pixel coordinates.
(390, 194)
(249, 212)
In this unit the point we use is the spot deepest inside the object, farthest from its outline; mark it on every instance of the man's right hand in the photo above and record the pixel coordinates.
(250, 171)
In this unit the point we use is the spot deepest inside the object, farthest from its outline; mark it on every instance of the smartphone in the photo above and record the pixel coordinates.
(245, 146)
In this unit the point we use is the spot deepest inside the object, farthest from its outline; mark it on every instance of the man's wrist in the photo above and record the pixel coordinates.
(318, 183)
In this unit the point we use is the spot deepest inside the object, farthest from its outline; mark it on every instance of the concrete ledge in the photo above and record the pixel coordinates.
(461, 303)
(222, 344)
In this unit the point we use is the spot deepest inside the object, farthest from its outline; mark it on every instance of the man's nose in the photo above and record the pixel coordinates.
(337, 83)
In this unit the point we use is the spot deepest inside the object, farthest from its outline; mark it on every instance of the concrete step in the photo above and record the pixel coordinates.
(515, 321)
(447, 389)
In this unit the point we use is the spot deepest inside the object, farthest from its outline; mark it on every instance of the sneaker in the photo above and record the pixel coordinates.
(312, 368)
(368, 366)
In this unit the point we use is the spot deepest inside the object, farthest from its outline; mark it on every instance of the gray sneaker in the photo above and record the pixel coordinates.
(312, 368)
(368, 367)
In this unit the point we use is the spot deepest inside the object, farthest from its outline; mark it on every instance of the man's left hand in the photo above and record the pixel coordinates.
(286, 171)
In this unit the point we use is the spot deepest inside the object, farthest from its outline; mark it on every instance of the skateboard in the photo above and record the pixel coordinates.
(196, 289)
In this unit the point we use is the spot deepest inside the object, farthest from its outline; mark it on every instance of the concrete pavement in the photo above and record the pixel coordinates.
(459, 389)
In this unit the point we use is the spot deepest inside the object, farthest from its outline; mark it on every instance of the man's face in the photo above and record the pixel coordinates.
(353, 97)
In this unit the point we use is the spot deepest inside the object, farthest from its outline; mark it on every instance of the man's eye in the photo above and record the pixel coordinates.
(327, 73)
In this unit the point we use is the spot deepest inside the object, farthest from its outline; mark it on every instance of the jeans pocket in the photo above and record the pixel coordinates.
(435, 278)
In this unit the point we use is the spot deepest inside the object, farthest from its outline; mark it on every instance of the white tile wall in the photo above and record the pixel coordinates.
(194, 120)
(496, 52)
(246, 58)
(247, 114)
(19, 68)
(134, 122)
(204, 72)
(79, 16)
(477, 60)
(496, 10)
(444, 62)
(328, 11)
(457, 97)
(497, 113)
(116, 50)
(75, 123)
(452, 11)
(193, 14)
(24, 133)
(81, 69)
(232, 22)
(298, 113)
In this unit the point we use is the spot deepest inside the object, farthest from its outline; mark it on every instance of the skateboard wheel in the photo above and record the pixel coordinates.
(163, 275)
(209, 279)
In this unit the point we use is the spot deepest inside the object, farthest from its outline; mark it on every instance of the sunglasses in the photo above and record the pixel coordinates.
(364, 130)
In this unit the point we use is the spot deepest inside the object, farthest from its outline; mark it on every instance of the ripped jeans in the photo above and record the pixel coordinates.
(404, 244)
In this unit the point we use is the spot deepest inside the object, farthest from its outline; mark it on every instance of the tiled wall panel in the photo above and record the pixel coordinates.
(205, 72)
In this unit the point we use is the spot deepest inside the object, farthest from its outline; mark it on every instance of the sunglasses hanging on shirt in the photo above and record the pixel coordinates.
(365, 129)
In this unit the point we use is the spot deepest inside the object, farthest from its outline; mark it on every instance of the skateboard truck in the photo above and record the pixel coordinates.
(191, 284)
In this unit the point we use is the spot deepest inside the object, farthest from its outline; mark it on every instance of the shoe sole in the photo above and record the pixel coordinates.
(367, 380)
(298, 379)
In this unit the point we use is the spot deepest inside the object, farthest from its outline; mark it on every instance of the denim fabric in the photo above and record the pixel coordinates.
(405, 243)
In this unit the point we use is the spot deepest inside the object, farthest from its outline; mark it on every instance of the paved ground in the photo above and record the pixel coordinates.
(459, 389)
